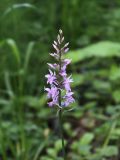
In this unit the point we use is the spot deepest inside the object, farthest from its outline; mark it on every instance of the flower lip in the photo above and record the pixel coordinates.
(51, 78)
(66, 50)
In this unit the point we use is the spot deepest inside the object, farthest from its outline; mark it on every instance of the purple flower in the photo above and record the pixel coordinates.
(66, 61)
(63, 72)
(52, 93)
(66, 83)
(64, 66)
(51, 77)
(66, 50)
(68, 99)
(57, 79)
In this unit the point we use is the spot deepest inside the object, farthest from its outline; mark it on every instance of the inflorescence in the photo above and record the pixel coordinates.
(59, 93)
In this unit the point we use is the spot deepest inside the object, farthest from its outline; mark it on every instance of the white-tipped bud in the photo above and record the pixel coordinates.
(50, 65)
(55, 43)
(66, 45)
(55, 47)
(54, 55)
(60, 31)
(58, 38)
(62, 39)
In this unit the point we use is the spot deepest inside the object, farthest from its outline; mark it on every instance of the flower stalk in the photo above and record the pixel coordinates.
(61, 132)
(59, 93)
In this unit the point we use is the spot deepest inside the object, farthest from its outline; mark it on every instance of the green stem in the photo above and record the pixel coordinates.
(21, 114)
(60, 97)
(61, 132)
(109, 135)
(3, 149)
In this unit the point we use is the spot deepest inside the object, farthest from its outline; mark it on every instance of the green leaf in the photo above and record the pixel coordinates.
(28, 54)
(84, 150)
(18, 6)
(114, 73)
(98, 84)
(108, 151)
(116, 95)
(8, 84)
(51, 152)
(15, 51)
(34, 101)
(77, 79)
(99, 50)
(116, 132)
(4, 102)
(86, 138)
(46, 158)
(58, 145)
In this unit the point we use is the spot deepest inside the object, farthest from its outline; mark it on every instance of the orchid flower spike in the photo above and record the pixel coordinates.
(59, 92)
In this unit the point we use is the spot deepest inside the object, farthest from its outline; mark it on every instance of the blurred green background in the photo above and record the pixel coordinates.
(28, 128)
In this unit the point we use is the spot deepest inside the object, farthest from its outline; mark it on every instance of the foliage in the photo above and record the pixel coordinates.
(28, 128)
(98, 83)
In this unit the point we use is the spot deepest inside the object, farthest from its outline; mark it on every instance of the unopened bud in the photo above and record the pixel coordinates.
(60, 31)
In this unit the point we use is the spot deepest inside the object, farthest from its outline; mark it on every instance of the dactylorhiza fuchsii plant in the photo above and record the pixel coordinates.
(59, 92)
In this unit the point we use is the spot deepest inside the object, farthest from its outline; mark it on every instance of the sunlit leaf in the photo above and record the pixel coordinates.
(18, 6)
(99, 50)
